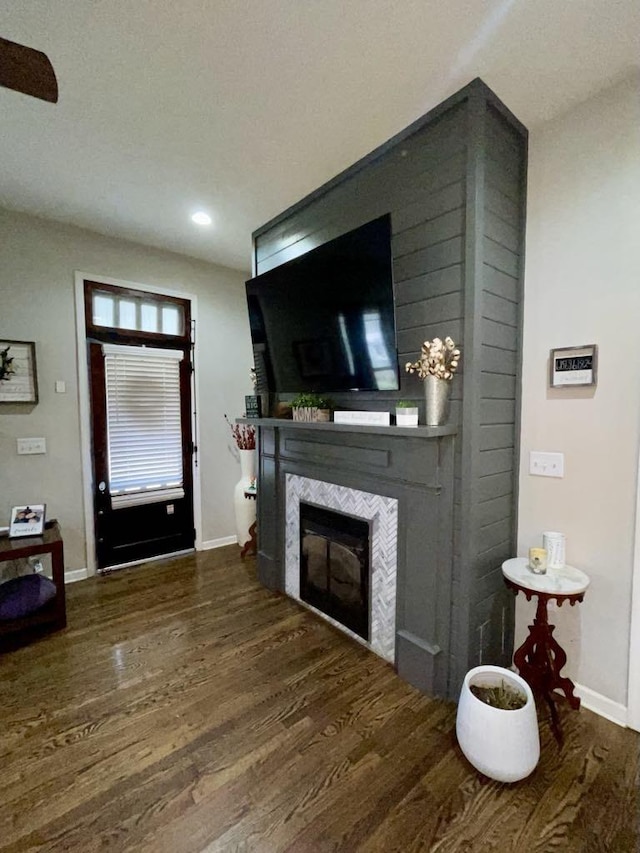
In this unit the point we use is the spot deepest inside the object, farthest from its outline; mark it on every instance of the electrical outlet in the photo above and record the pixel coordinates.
(28, 446)
(546, 464)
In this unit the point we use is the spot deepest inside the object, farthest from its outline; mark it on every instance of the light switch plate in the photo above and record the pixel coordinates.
(544, 464)
(29, 446)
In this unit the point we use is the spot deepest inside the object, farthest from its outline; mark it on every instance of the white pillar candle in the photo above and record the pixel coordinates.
(554, 544)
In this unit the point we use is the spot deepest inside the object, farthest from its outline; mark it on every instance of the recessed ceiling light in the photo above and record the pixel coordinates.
(201, 218)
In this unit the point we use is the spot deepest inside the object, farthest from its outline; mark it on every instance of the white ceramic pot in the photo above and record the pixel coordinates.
(245, 508)
(407, 417)
(504, 745)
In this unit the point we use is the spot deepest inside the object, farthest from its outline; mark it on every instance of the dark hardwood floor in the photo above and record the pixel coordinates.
(185, 708)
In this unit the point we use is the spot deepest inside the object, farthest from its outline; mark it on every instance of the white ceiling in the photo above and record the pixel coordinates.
(241, 107)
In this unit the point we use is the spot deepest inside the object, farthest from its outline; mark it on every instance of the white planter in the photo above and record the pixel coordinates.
(504, 745)
(245, 508)
(407, 417)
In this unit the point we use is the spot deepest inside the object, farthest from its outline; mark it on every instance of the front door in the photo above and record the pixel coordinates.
(139, 353)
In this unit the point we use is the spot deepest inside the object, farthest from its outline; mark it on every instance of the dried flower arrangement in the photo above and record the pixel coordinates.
(437, 358)
(244, 435)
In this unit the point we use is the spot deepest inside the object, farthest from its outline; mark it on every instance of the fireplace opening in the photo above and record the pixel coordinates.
(334, 566)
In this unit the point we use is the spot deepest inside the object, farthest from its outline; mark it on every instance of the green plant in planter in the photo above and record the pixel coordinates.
(406, 404)
(311, 401)
(499, 696)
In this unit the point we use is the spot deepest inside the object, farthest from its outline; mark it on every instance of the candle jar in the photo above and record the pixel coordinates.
(538, 561)
(554, 543)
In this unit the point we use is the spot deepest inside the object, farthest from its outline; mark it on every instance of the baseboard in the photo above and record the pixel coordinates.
(208, 544)
(73, 575)
(599, 704)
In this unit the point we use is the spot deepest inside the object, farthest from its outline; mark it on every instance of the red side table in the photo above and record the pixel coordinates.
(540, 658)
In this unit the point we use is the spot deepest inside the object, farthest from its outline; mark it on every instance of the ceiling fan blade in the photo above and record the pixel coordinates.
(28, 71)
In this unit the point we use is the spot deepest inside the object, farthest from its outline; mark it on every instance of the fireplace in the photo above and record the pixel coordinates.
(378, 515)
(334, 566)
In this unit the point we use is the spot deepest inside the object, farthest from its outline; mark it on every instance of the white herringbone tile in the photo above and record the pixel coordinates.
(382, 512)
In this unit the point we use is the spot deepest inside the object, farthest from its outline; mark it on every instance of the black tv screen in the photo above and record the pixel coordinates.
(325, 321)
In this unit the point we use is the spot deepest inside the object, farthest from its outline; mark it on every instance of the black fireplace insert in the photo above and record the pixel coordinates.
(335, 566)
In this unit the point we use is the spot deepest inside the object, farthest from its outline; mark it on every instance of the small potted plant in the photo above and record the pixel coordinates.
(406, 413)
(311, 407)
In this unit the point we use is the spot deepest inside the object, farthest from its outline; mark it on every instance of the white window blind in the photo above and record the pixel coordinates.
(144, 434)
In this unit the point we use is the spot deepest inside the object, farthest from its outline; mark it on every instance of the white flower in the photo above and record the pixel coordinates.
(436, 359)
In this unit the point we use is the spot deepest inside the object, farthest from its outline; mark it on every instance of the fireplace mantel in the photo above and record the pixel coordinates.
(406, 432)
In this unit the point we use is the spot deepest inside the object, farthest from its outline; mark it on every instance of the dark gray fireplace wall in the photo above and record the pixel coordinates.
(455, 185)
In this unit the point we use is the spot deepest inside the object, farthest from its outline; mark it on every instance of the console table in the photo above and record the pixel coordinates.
(540, 658)
(52, 616)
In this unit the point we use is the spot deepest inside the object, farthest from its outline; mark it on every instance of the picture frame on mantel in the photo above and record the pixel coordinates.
(18, 372)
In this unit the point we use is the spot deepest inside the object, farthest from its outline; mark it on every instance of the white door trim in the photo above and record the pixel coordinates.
(85, 406)
(633, 693)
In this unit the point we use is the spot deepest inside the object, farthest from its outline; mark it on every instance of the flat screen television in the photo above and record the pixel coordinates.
(325, 321)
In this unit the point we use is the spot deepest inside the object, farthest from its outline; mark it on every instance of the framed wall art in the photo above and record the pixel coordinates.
(573, 366)
(18, 375)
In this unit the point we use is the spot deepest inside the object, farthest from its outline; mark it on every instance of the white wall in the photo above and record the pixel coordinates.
(582, 286)
(37, 263)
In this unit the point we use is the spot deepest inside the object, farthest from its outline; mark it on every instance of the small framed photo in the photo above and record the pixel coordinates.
(27, 520)
(573, 366)
(18, 376)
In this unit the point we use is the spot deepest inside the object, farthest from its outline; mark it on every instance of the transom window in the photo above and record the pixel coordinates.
(136, 313)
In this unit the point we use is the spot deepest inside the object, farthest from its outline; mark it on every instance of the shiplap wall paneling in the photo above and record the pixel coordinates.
(454, 184)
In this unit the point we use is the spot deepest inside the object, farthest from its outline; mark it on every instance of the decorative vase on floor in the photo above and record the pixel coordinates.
(504, 745)
(437, 400)
(245, 508)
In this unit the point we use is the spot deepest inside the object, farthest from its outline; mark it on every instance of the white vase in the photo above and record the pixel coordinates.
(245, 508)
(504, 745)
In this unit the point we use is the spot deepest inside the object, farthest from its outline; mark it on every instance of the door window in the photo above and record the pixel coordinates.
(144, 429)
